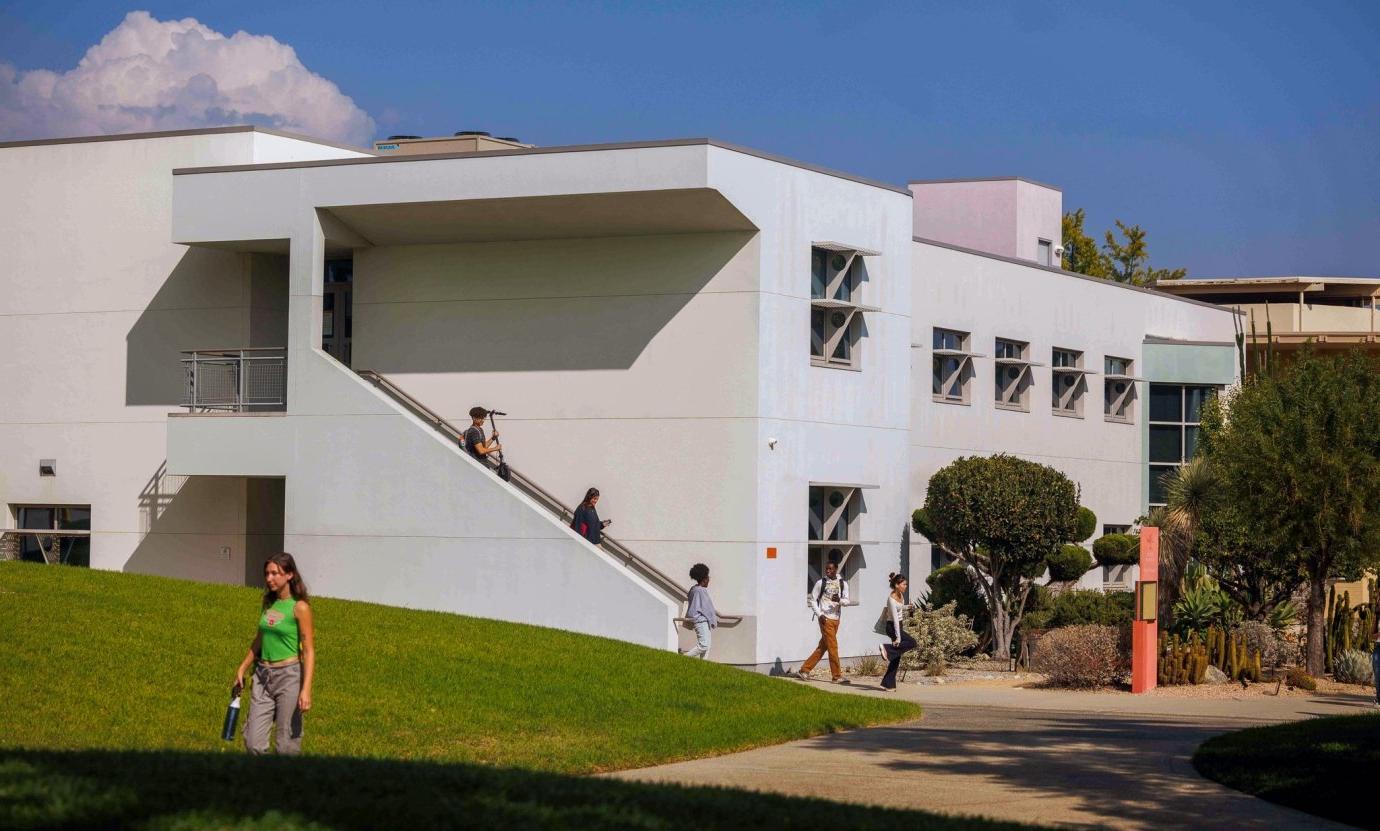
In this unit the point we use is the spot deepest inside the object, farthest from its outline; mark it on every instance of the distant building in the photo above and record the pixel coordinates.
(1328, 313)
(1285, 314)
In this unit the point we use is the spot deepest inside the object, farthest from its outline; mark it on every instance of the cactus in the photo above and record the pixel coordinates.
(1182, 662)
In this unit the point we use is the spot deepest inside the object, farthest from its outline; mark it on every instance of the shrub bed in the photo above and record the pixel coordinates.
(1081, 656)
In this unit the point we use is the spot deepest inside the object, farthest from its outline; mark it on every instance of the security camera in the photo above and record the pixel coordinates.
(771, 443)
(1058, 251)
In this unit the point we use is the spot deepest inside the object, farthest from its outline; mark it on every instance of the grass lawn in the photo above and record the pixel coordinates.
(1325, 766)
(113, 687)
(114, 661)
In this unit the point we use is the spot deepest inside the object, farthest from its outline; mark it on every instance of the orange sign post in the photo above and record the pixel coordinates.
(1145, 628)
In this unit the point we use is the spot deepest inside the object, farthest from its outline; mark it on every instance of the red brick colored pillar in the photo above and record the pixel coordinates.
(1145, 633)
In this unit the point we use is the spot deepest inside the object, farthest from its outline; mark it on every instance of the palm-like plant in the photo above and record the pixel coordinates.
(1188, 489)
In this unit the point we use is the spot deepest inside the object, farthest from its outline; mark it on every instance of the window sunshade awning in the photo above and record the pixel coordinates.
(843, 248)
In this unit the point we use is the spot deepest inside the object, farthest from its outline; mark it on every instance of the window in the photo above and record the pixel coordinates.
(1175, 413)
(833, 533)
(1045, 252)
(953, 366)
(836, 318)
(1116, 578)
(1012, 376)
(70, 542)
(1119, 390)
(1067, 382)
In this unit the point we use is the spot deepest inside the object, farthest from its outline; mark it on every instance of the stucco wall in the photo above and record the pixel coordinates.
(831, 425)
(979, 215)
(96, 304)
(993, 298)
(1039, 215)
(624, 363)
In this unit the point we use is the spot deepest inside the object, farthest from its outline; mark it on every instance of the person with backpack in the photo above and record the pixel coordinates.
(901, 641)
(827, 599)
(700, 611)
(283, 655)
(475, 443)
(586, 521)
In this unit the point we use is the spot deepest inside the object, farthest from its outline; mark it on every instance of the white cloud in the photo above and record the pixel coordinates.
(149, 74)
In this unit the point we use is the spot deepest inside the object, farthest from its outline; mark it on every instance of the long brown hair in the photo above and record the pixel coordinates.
(296, 584)
(589, 494)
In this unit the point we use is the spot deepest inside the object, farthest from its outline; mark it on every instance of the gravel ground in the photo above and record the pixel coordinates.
(994, 674)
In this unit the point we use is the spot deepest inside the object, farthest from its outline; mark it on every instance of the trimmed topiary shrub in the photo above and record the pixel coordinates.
(920, 521)
(1088, 606)
(1117, 550)
(1081, 656)
(953, 584)
(1087, 523)
(1300, 679)
(1068, 563)
(1353, 667)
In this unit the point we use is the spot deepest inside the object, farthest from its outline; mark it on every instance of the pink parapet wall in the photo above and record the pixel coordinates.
(1145, 633)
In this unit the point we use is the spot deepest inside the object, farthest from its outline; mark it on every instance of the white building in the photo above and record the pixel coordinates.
(639, 309)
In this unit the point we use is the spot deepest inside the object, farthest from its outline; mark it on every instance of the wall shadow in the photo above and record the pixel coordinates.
(549, 327)
(185, 520)
(210, 300)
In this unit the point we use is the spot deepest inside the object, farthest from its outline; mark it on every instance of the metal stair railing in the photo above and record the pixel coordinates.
(537, 493)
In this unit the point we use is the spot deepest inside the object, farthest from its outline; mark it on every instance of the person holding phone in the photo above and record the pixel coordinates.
(283, 655)
(586, 521)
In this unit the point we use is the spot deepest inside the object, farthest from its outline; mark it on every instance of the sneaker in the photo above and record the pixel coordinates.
(888, 689)
(802, 675)
(842, 680)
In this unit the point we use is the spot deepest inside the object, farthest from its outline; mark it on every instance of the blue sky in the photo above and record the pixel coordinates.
(1244, 137)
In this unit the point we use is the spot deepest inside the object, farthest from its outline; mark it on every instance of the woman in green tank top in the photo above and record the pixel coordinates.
(283, 655)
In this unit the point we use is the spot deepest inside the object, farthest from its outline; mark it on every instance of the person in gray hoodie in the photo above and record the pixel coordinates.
(700, 611)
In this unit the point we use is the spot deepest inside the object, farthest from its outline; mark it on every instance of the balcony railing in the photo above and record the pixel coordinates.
(235, 380)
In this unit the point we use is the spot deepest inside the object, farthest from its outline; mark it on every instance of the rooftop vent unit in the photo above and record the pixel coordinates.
(462, 141)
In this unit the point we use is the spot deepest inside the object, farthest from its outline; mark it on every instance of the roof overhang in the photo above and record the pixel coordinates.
(1285, 286)
(631, 213)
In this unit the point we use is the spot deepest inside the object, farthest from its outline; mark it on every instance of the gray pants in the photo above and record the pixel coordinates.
(273, 699)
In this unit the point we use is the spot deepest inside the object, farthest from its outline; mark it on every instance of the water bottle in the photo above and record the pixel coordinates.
(232, 715)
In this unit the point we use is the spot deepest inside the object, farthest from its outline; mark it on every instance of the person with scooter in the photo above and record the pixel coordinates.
(481, 448)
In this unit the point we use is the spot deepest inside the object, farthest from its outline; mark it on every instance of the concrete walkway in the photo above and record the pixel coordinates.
(1046, 757)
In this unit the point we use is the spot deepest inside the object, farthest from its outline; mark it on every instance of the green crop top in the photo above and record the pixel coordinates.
(278, 631)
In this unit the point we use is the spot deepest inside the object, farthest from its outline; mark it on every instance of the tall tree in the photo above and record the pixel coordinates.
(1080, 250)
(1124, 261)
(1248, 567)
(1003, 518)
(1129, 261)
(1298, 451)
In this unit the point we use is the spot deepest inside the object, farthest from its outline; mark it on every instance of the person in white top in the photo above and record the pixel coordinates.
(901, 641)
(827, 599)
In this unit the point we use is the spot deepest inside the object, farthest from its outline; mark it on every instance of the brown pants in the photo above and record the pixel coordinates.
(273, 701)
(828, 642)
